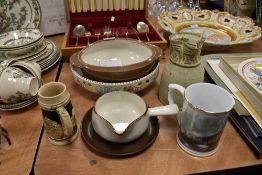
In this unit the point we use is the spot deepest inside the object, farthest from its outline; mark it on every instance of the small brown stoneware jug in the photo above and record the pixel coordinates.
(58, 113)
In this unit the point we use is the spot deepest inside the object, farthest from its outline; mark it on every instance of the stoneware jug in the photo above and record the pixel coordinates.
(58, 113)
(184, 66)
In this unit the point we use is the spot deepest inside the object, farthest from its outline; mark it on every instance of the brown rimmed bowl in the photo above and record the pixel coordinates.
(117, 60)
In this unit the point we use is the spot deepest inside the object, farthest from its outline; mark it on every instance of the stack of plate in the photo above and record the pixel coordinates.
(29, 45)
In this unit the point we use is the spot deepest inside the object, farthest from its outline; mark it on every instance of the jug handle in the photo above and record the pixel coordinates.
(180, 89)
(65, 120)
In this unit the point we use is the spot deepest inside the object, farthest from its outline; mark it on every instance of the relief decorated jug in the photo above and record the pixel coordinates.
(184, 66)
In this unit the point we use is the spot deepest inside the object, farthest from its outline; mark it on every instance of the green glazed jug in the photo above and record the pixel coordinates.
(184, 66)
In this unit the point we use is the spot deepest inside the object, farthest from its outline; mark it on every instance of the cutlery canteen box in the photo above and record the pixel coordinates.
(107, 19)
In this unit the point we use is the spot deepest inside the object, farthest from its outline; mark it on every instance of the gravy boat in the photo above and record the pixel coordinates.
(122, 116)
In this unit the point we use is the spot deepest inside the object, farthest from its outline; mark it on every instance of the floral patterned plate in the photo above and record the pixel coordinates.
(247, 69)
(18, 14)
(220, 29)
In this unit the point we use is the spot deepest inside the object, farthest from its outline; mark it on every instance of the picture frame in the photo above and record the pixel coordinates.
(54, 19)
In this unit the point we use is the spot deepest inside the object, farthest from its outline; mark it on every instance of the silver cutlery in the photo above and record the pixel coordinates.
(116, 33)
(190, 4)
(135, 31)
(73, 6)
(78, 31)
(88, 34)
(143, 28)
(197, 6)
(107, 30)
(97, 34)
(126, 32)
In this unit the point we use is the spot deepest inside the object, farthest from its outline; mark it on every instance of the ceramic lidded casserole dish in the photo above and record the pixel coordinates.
(117, 60)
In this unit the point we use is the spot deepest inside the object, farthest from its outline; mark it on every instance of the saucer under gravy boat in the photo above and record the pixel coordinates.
(117, 150)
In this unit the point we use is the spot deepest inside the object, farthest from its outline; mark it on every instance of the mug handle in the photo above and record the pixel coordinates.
(180, 89)
(65, 120)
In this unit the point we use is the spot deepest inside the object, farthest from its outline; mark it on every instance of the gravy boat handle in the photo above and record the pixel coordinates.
(163, 110)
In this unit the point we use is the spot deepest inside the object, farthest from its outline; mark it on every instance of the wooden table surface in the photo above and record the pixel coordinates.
(24, 127)
(163, 157)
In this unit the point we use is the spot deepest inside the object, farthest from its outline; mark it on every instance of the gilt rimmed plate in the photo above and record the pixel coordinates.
(220, 29)
(17, 14)
(247, 69)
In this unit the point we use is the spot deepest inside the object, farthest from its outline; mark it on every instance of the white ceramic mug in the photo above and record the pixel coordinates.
(58, 113)
(17, 85)
(206, 108)
(122, 116)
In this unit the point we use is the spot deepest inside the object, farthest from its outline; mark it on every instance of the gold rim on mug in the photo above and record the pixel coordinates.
(205, 111)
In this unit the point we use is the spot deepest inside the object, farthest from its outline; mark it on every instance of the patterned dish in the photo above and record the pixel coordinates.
(38, 56)
(19, 38)
(23, 49)
(36, 50)
(17, 14)
(102, 88)
(220, 29)
(247, 69)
